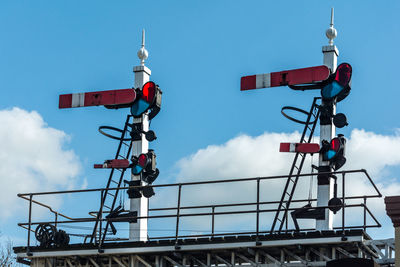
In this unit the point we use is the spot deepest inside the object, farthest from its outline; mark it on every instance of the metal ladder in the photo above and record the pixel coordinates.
(109, 197)
(295, 170)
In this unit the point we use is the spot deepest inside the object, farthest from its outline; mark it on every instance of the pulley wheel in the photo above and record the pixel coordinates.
(44, 233)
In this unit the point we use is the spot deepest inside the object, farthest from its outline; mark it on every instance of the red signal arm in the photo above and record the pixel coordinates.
(287, 77)
(112, 98)
(299, 147)
(113, 163)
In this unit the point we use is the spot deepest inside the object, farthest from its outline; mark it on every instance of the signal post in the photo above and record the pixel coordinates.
(138, 230)
(327, 132)
(334, 86)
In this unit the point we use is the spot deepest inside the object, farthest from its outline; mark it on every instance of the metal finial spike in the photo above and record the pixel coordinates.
(331, 32)
(143, 38)
(142, 53)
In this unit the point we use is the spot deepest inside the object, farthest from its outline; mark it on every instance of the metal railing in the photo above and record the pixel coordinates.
(181, 211)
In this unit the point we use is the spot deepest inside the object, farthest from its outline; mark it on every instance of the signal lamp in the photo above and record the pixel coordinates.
(137, 131)
(137, 192)
(139, 163)
(340, 120)
(148, 191)
(134, 193)
(145, 164)
(150, 135)
(149, 98)
(338, 84)
(335, 204)
(334, 152)
(150, 176)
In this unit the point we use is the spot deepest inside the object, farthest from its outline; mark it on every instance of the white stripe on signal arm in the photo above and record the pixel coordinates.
(263, 80)
(292, 147)
(78, 100)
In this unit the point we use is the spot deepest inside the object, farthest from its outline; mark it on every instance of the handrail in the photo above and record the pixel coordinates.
(202, 182)
(257, 208)
(183, 215)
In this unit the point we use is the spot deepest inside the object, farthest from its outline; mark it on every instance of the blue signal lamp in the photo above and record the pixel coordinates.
(330, 154)
(139, 107)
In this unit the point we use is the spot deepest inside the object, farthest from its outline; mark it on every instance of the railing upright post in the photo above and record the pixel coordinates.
(177, 214)
(28, 252)
(343, 198)
(101, 216)
(286, 222)
(365, 214)
(212, 221)
(258, 208)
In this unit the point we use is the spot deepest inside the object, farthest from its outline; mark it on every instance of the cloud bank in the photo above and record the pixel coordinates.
(246, 156)
(33, 158)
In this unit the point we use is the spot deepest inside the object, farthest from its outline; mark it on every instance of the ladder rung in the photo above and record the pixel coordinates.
(107, 206)
(110, 194)
(288, 194)
(114, 182)
(125, 143)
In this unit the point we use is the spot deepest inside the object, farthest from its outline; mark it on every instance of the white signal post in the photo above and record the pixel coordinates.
(327, 132)
(138, 230)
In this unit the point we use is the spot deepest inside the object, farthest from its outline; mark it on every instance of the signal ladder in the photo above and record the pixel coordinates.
(295, 170)
(109, 197)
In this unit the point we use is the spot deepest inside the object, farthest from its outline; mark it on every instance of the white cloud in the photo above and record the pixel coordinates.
(246, 156)
(32, 159)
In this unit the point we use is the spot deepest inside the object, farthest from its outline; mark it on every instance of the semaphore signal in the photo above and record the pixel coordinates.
(144, 103)
(334, 85)
(283, 241)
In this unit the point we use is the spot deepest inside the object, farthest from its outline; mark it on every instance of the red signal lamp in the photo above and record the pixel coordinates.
(148, 98)
(148, 92)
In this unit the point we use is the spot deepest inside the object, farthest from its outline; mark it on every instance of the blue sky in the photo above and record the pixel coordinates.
(198, 50)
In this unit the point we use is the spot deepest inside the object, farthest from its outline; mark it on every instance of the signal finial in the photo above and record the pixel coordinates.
(331, 32)
(142, 53)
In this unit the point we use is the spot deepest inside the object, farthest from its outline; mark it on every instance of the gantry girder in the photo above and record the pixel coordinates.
(315, 250)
